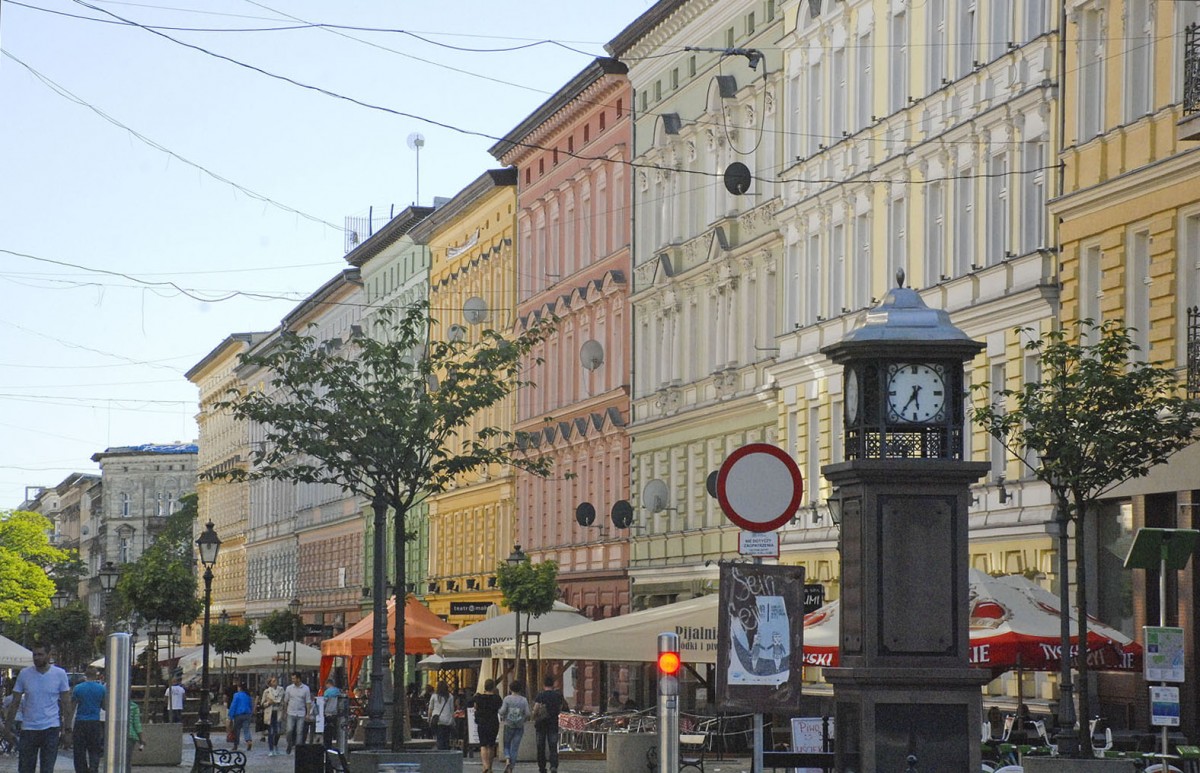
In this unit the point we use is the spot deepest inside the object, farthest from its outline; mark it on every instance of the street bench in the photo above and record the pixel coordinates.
(210, 760)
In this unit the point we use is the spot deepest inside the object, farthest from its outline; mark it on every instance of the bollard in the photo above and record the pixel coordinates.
(118, 657)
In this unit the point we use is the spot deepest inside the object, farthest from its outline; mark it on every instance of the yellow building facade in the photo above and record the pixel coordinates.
(472, 288)
(224, 445)
(1130, 241)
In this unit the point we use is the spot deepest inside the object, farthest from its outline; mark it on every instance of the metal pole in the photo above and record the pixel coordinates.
(1068, 738)
(204, 724)
(1162, 621)
(668, 710)
(118, 654)
(756, 760)
(376, 729)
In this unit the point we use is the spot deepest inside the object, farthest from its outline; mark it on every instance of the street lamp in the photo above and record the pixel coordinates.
(516, 558)
(61, 599)
(294, 607)
(25, 626)
(209, 545)
(108, 582)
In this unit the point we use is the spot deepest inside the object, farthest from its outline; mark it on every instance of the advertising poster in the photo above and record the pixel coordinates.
(760, 637)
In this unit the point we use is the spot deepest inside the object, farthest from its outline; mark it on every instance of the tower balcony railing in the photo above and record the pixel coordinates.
(1189, 125)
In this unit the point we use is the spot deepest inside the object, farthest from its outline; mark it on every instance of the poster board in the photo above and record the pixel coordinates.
(760, 637)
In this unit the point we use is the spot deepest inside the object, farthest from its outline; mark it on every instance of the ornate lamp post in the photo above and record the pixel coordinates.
(516, 558)
(61, 599)
(25, 627)
(210, 546)
(294, 607)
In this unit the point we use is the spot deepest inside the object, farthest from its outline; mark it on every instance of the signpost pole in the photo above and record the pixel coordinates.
(1162, 622)
(756, 762)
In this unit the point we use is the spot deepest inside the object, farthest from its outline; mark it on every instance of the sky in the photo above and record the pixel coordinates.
(155, 197)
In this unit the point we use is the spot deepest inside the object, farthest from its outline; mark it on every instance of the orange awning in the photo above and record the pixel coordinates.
(420, 625)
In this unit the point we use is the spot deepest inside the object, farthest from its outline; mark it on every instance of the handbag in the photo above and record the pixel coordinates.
(231, 735)
(540, 712)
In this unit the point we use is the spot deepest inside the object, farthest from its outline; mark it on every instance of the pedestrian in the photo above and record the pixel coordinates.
(135, 733)
(441, 715)
(487, 721)
(548, 704)
(329, 710)
(298, 700)
(42, 694)
(272, 706)
(241, 714)
(88, 738)
(175, 695)
(514, 713)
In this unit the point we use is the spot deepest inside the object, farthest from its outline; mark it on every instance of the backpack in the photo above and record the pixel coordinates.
(515, 716)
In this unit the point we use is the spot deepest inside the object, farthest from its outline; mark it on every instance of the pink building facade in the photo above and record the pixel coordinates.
(573, 263)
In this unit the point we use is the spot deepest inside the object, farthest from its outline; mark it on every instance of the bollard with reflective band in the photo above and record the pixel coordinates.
(669, 663)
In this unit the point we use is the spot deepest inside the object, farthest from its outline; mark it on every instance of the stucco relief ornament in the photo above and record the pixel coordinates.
(769, 102)
(711, 139)
(643, 181)
(691, 150)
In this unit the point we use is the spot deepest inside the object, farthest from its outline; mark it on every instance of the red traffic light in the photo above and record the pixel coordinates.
(669, 663)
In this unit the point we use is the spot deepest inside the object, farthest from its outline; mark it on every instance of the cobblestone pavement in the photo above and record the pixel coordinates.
(257, 761)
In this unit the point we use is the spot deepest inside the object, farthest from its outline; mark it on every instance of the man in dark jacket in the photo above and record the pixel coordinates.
(545, 723)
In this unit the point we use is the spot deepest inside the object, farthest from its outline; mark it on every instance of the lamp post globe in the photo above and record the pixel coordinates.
(109, 575)
(209, 545)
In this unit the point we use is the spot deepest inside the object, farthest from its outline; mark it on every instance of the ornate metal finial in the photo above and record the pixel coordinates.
(900, 277)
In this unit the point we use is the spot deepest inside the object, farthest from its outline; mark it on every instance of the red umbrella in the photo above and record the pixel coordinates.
(1014, 623)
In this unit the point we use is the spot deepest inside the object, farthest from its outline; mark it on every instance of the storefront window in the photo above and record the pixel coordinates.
(1114, 583)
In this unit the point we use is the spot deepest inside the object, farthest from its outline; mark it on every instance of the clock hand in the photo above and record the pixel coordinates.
(912, 398)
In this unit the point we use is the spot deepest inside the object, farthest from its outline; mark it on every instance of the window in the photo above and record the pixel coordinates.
(935, 67)
(965, 47)
(123, 549)
(813, 106)
(898, 66)
(691, 65)
(1035, 18)
(770, 10)
(124, 505)
(172, 505)
(1137, 288)
(813, 279)
(674, 78)
(837, 108)
(750, 24)
(729, 38)
(898, 233)
(1139, 60)
(862, 261)
(1001, 28)
(964, 222)
(1033, 199)
(791, 268)
(1091, 75)
(837, 270)
(864, 81)
(997, 209)
(935, 232)
(1189, 275)
(657, 90)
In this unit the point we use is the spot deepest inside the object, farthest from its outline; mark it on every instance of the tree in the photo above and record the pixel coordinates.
(229, 639)
(280, 626)
(161, 584)
(384, 417)
(26, 560)
(1097, 418)
(529, 589)
(69, 631)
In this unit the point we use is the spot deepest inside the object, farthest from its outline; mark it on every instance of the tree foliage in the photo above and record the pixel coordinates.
(69, 631)
(528, 588)
(386, 416)
(26, 560)
(1097, 417)
(161, 584)
(231, 639)
(280, 626)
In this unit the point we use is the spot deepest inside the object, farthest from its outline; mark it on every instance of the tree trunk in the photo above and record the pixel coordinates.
(1082, 683)
(376, 725)
(400, 728)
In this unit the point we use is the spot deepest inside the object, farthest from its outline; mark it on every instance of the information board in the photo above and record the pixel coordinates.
(1163, 659)
(1164, 706)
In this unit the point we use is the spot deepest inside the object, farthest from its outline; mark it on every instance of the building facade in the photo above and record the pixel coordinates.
(1130, 233)
(472, 526)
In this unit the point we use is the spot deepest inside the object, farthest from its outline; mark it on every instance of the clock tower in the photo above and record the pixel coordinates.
(904, 686)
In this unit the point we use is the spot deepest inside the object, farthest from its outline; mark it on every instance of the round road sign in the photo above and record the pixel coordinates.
(759, 487)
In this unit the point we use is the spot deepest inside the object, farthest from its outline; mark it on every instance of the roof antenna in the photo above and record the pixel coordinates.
(416, 141)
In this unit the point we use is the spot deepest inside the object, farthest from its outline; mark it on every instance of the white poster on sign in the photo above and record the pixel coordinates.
(1164, 706)
(808, 736)
(759, 544)
(320, 715)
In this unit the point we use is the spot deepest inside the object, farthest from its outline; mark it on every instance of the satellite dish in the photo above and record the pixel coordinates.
(622, 514)
(591, 354)
(710, 483)
(475, 310)
(585, 514)
(737, 178)
(457, 332)
(654, 496)
(416, 141)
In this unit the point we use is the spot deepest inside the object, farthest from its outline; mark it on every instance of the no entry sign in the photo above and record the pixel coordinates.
(759, 487)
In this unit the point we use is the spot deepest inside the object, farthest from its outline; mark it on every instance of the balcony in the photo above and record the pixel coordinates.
(1189, 125)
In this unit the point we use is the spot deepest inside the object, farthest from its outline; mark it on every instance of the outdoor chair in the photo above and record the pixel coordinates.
(210, 760)
(691, 751)
(336, 761)
(1040, 727)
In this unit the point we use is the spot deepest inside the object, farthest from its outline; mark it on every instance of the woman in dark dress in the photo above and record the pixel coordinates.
(487, 719)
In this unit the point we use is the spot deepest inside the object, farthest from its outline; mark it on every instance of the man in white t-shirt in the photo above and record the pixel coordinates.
(175, 695)
(42, 693)
(298, 700)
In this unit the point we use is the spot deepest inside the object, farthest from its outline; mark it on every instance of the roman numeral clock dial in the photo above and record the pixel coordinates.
(916, 393)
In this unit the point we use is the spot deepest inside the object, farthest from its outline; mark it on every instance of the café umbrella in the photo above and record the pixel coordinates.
(1014, 623)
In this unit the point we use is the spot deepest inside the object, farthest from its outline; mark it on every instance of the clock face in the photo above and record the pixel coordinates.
(852, 396)
(916, 393)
